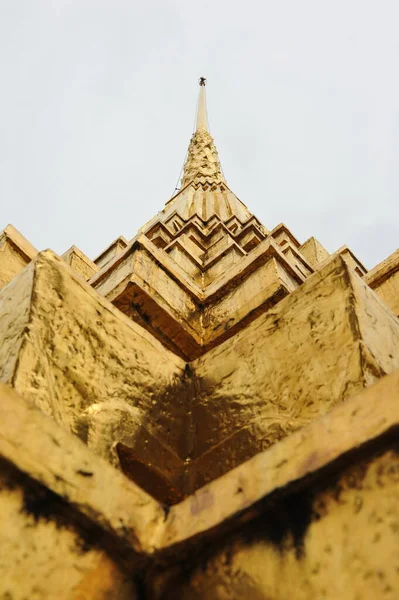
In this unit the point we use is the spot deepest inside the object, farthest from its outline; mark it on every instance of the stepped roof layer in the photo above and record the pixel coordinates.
(205, 266)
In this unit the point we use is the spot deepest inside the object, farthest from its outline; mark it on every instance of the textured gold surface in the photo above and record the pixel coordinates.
(202, 162)
(80, 263)
(15, 254)
(151, 287)
(356, 423)
(173, 426)
(336, 540)
(341, 518)
(60, 462)
(314, 252)
(46, 555)
(93, 370)
(318, 346)
(384, 280)
(115, 248)
(332, 534)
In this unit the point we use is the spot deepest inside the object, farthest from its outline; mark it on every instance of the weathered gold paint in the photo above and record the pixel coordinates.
(339, 540)
(46, 554)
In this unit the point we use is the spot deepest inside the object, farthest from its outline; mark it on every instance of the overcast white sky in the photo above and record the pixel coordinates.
(98, 98)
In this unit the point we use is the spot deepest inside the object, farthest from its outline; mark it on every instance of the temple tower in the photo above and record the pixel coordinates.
(208, 410)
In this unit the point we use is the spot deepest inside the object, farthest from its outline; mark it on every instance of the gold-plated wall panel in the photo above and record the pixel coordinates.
(45, 555)
(384, 280)
(11, 263)
(388, 291)
(80, 263)
(242, 299)
(314, 252)
(88, 366)
(378, 329)
(15, 253)
(15, 307)
(337, 539)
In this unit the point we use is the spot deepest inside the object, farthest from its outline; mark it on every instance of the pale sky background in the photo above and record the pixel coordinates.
(98, 98)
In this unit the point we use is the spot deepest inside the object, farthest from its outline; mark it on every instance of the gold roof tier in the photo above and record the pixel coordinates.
(206, 196)
(204, 267)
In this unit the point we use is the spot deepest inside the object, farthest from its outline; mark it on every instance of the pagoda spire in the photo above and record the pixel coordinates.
(203, 189)
(202, 164)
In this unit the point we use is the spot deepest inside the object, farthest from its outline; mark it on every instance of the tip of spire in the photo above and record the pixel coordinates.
(202, 116)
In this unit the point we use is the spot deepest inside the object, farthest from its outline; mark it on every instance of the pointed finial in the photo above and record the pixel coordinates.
(202, 118)
(202, 162)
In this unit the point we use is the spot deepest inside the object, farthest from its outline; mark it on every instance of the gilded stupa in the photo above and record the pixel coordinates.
(205, 411)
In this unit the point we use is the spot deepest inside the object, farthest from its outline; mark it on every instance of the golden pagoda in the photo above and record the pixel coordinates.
(208, 411)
